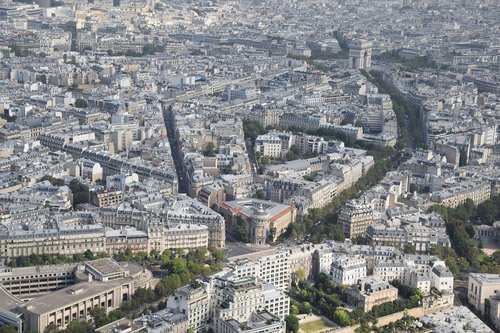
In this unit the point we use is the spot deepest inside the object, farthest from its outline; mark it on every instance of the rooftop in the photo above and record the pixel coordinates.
(70, 295)
(105, 267)
(455, 320)
(485, 278)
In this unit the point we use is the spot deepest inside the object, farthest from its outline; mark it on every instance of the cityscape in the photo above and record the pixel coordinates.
(249, 166)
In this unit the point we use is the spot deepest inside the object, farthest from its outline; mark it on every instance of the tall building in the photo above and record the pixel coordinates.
(271, 266)
(355, 218)
(360, 54)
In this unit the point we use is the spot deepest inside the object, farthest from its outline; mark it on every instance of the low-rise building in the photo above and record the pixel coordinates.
(458, 319)
(104, 284)
(259, 322)
(481, 286)
(371, 291)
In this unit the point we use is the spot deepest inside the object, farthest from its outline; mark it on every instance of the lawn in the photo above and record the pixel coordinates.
(314, 326)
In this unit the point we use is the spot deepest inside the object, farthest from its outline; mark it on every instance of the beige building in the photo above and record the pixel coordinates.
(181, 210)
(269, 145)
(355, 218)
(72, 233)
(120, 240)
(164, 321)
(107, 285)
(456, 195)
(264, 115)
(262, 219)
(237, 298)
(180, 236)
(371, 291)
(26, 282)
(481, 287)
(105, 199)
(123, 325)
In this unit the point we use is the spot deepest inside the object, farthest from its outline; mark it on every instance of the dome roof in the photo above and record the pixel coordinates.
(260, 213)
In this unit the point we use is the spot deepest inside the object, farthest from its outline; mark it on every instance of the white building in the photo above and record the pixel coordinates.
(269, 145)
(193, 301)
(271, 266)
(417, 271)
(348, 270)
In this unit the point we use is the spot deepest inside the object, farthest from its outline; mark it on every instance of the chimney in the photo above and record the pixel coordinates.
(361, 284)
(89, 278)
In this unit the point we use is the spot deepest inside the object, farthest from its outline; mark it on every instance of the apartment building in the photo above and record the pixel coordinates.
(417, 271)
(271, 266)
(421, 237)
(68, 234)
(179, 236)
(315, 194)
(193, 301)
(355, 217)
(325, 254)
(456, 195)
(271, 145)
(259, 322)
(348, 270)
(179, 216)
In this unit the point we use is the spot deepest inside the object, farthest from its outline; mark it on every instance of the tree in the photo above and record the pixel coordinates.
(88, 254)
(80, 192)
(177, 265)
(305, 308)
(341, 317)
(294, 309)
(6, 115)
(265, 160)
(217, 254)
(52, 180)
(8, 329)
(149, 49)
(209, 150)
(77, 326)
(252, 129)
(51, 328)
(98, 314)
(292, 323)
(19, 51)
(409, 248)
(81, 103)
(259, 194)
(300, 274)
